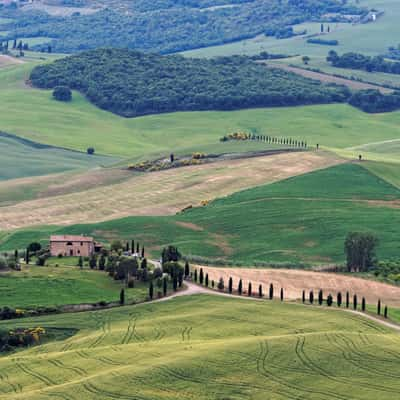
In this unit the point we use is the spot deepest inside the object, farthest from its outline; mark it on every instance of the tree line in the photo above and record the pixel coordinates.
(130, 83)
(203, 279)
(167, 26)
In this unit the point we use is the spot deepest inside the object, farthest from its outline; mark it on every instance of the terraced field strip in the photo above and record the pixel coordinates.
(160, 193)
(210, 347)
(295, 281)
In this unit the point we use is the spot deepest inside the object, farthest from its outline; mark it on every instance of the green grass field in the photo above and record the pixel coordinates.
(79, 125)
(41, 161)
(66, 284)
(205, 347)
(371, 38)
(302, 219)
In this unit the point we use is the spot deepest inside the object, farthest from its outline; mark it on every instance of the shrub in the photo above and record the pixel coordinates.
(62, 93)
(90, 150)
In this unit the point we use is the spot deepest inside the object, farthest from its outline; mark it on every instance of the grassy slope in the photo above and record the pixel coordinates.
(372, 38)
(301, 219)
(66, 284)
(79, 125)
(38, 161)
(207, 347)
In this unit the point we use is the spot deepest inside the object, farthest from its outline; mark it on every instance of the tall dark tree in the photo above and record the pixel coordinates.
(230, 285)
(122, 297)
(165, 285)
(281, 294)
(180, 278)
(137, 247)
(27, 256)
(142, 251)
(195, 275)
(378, 309)
(151, 290)
(127, 246)
(187, 269)
(329, 300)
(240, 287)
(271, 291)
(303, 297)
(132, 246)
(201, 276)
(355, 302)
(260, 291)
(363, 304)
(385, 312)
(221, 284)
(339, 299)
(320, 297)
(206, 280)
(311, 297)
(175, 282)
(347, 299)
(80, 262)
(249, 289)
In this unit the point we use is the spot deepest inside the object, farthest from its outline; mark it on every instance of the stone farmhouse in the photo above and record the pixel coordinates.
(69, 245)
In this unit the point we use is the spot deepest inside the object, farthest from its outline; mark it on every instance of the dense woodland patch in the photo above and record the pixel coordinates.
(168, 26)
(130, 83)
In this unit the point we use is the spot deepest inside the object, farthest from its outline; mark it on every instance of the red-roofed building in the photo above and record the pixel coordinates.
(69, 245)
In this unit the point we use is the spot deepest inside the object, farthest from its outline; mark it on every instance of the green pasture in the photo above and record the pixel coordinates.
(372, 38)
(79, 125)
(206, 347)
(63, 282)
(303, 219)
(36, 160)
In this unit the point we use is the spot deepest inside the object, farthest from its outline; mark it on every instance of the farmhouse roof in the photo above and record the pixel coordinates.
(70, 238)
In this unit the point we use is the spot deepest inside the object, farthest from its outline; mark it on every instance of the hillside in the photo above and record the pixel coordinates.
(206, 347)
(298, 220)
(131, 84)
(164, 26)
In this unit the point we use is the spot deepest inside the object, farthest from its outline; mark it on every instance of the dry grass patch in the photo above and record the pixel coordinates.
(158, 193)
(295, 281)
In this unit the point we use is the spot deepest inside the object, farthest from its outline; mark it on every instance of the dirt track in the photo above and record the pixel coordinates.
(295, 281)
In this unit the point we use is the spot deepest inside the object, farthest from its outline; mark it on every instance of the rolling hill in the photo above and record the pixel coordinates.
(206, 347)
(303, 219)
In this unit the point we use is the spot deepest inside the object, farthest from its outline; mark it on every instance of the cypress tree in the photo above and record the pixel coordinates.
(195, 275)
(355, 302)
(80, 262)
(260, 291)
(379, 307)
(363, 304)
(137, 247)
(16, 255)
(303, 297)
(180, 278)
(271, 291)
(339, 299)
(347, 299)
(320, 297)
(27, 256)
(122, 297)
(187, 269)
(212, 283)
(221, 284)
(240, 287)
(329, 300)
(230, 285)
(142, 251)
(206, 280)
(132, 246)
(151, 290)
(249, 289)
(385, 312)
(201, 277)
(311, 298)
(175, 282)
(165, 285)
(281, 294)
(127, 246)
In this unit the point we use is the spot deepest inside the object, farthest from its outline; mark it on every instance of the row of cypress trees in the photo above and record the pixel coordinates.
(203, 279)
(339, 301)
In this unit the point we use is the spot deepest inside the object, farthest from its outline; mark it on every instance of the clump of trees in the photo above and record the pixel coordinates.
(130, 83)
(360, 251)
(62, 93)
